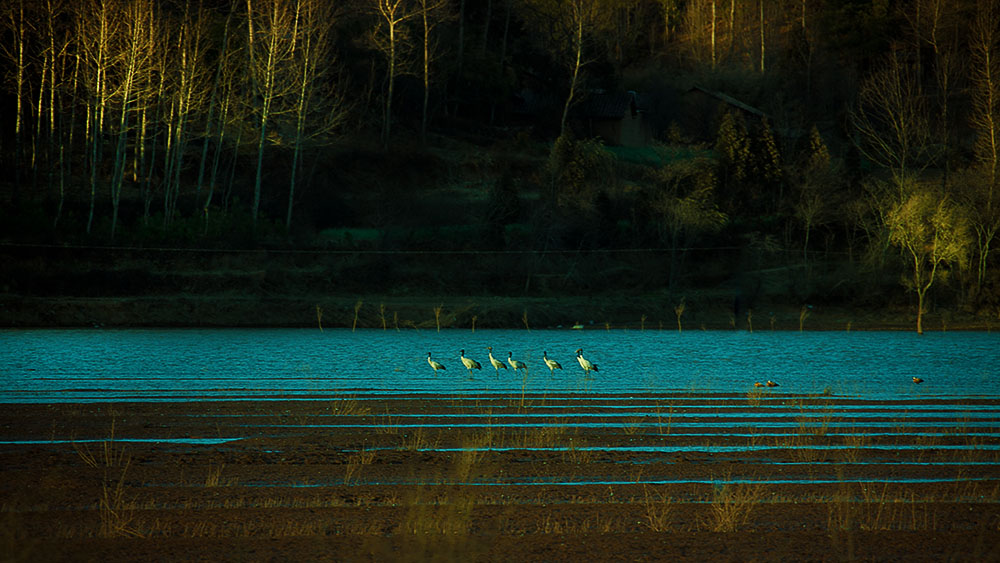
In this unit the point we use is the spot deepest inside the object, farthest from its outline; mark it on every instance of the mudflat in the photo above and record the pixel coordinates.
(642, 477)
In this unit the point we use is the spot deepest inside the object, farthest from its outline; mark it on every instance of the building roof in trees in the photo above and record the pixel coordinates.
(604, 105)
(729, 100)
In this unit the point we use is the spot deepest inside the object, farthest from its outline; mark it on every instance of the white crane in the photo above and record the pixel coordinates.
(497, 364)
(552, 364)
(516, 364)
(584, 362)
(434, 364)
(469, 363)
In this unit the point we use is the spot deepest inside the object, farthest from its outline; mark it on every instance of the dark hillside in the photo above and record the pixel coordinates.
(638, 153)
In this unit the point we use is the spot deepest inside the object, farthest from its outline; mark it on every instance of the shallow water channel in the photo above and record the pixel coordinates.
(191, 364)
(696, 386)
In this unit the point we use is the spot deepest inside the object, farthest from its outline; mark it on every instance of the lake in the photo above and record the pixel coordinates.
(63, 365)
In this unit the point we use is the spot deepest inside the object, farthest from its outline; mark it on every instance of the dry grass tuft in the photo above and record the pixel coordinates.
(659, 507)
(355, 462)
(117, 511)
(732, 504)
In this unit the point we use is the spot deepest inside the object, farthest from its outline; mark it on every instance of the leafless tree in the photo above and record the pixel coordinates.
(271, 36)
(891, 121)
(983, 185)
(318, 103)
(390, 38)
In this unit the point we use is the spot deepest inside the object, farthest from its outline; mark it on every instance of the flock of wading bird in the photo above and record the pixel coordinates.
(553, 365)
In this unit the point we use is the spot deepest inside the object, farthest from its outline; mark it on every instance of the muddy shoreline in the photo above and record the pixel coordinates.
(648, 312)
(494, 478)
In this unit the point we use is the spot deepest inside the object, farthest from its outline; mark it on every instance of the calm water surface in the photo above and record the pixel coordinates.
(185, 364)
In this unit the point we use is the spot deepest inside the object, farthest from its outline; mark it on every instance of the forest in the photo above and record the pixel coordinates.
(812, 151)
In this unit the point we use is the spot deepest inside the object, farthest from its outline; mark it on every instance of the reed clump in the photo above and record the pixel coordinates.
(355, 463)
(117, 508)
(214, 477)
(855, 442)
(732, 504)
(349, 406)
(577, 452)
(418, 439)
(658, 509)
(660, 426)
(109, 455)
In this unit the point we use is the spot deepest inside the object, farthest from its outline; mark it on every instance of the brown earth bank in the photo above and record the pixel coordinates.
(703, 311)
(55, 286)
(498, 478)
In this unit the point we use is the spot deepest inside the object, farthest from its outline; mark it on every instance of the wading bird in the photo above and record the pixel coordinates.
(917, 379)
(497, 364)
(771, 383)
(434, 364)
(469, 363)
(516, 364)
(553, 365)
(584, 362)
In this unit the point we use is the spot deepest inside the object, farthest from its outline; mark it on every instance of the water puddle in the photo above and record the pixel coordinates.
(181, 441)
(658, 425)
(561, 482)
(716, 449)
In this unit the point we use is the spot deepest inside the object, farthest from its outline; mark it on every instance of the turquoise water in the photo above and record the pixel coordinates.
(193, 364)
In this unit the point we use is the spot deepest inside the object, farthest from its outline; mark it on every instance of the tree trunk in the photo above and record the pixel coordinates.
(211, 104)
(578, 47)
(920, 311)
(712, 31)
(427, 75)
(20, 63)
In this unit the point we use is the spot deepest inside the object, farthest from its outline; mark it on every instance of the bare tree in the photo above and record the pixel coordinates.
(56, 43)
(210, 120)
(432, 13)
(932, 232)
(15, 19)
(817, 190)
(67, 50)
(318, 104)
(937, 28)
(701, 23)
(135, 48)
(984, 184)
(188, 87)
(271, 36)
(232, 115)
(671, 14)
(97, 27)
(891, 121)
(686, 206)
(568, 26)
(390, 37)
